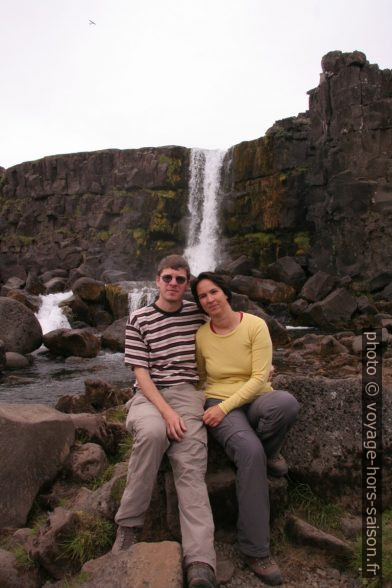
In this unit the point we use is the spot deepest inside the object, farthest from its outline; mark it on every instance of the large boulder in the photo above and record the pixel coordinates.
(13, 575)
(113, 336)
(35, 441)
(318, 286)
(147, 564)
(86, 462)
(331, 462)
(335, 310)
(287, 270)
(262, 290)
(66, 342)
(89, 289)
(19, 328)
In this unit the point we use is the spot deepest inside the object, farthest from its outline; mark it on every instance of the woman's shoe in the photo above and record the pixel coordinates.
(265, 568)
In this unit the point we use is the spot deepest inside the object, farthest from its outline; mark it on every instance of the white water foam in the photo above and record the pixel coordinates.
(49, 315)
(141, 294)
(205, 172)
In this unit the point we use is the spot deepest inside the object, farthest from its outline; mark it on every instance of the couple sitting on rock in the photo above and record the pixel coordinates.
(225, 386)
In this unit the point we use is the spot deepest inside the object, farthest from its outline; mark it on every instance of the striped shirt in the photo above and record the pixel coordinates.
(164, 343)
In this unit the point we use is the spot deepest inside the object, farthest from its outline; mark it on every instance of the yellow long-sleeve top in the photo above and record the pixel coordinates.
(235, 367)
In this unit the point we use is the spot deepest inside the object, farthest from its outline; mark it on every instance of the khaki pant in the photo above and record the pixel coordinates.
(188, 459)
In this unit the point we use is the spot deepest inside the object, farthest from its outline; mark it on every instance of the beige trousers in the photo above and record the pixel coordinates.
(188, 459)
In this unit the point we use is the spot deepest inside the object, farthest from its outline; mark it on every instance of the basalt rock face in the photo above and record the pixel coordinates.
(94, 211)
(320, 184)
(317, 186)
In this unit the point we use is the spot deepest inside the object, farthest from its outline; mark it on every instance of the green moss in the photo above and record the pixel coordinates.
(160, 223)
(302, 241)
(173, 167)
(104, 235)
(126, 209)
(140, 236)
(162, 245)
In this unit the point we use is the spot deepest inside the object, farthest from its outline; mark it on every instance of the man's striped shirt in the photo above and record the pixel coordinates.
(164, 342)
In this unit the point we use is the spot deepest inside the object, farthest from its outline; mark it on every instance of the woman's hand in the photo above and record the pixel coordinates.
(213, 416)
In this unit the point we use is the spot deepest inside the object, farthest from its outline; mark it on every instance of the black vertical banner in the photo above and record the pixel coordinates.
(371, 453)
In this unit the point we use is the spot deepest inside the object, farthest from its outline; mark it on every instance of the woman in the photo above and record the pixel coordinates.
(246, 416)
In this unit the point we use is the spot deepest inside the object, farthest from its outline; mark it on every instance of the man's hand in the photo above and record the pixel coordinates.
(175, 426)
(213, 416)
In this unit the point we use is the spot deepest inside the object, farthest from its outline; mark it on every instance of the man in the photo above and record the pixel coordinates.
(165, 415)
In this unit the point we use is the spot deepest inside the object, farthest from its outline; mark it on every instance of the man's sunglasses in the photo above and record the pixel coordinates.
(167, 278)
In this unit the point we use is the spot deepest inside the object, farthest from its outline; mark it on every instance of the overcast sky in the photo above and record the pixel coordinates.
(198, 73)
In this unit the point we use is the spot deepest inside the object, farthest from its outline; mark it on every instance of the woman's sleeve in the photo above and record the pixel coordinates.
(201, 367)
(261, 350)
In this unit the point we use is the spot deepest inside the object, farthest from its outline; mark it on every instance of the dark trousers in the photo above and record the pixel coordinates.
(249, 435)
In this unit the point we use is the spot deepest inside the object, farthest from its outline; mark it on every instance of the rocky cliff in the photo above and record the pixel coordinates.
(318, 186)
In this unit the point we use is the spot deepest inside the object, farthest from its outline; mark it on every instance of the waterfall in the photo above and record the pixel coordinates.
(141, 294)
(49, 315)
(205, 173)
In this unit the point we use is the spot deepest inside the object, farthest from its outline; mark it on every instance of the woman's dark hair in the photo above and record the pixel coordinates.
(216, 279)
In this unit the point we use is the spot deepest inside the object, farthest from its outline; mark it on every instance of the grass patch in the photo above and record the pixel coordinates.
(92, 537)
(118, 414)
(23, 558)
(318, 512)
(386, 579)
(124, 449)
(101, 480)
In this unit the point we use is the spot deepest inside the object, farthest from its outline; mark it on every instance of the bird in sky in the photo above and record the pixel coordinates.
(91, 22)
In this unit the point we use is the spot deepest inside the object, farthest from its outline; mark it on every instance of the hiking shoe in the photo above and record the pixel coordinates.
(126, 537)
(277, 466)
(265, 568)
(200, 575)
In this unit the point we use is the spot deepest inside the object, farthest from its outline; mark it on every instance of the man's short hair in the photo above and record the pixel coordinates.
(175, 262)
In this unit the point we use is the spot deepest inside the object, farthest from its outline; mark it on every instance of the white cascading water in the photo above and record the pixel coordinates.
(141, 294)
(50, 315)
(205, 173)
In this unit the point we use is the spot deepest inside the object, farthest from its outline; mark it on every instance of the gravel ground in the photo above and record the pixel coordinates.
(300, 568)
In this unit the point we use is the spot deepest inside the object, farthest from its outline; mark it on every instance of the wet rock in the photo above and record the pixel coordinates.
(112, 276)
(35, 441)
(56, 285)
(16, 360)
(34, 284)
(318, 286)
(148, 564)
(385, 294)
(19, 328)
(287, 270)
(86, 462)
(305, 534)
(66, 342)
(89, 290)
(29, 301)
(55, 273)
(99, 395)
(13, 283)
(365, 306)
(113, 337)
(278, 332)
(298, 307)
(13, 576)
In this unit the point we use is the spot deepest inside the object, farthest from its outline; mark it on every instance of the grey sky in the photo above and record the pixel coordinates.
(198, 73)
